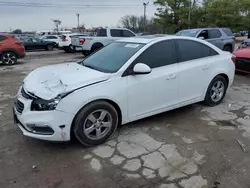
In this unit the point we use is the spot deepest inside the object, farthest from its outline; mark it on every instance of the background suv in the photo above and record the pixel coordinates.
(223, 38)
(10, 49)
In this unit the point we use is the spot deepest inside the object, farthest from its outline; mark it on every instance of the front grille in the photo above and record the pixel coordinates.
(243, 64)
(27, 95)
(19, 107)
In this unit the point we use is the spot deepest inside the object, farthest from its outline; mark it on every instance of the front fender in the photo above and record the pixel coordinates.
(80, 98)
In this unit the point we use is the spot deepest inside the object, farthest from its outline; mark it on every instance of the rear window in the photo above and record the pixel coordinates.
(101, 33)
(63, 37)
(188, 33)
(228, 32)
(2, 38)
(83, 35)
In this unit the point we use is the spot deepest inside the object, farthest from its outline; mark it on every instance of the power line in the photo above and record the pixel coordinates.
(54, 5)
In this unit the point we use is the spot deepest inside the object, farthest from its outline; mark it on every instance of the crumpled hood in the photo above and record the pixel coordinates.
(50, 81)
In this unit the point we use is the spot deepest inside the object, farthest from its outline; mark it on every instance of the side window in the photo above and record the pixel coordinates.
(116, 33)
(214, 33)
(191, 50)
(204, 34)
(127, 33)
(2, 38)
(52, 37)
(228, 32)
(101, 33)
(159, 54)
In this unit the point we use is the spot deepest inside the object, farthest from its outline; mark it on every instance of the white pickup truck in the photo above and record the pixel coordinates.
(102, 38)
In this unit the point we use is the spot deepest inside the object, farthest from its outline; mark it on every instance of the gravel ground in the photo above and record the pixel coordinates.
(192, 147)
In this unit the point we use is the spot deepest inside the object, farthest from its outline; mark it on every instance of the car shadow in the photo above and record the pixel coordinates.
(165, 118)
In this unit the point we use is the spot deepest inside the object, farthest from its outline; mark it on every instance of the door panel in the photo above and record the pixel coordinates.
(195, 64)
(193, 78)
(214, 37)
(154, 91)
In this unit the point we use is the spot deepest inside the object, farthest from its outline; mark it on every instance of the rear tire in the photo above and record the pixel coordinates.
(8, 58)
(96, 47)
(228, 48)
(91, 128)
(216, 91)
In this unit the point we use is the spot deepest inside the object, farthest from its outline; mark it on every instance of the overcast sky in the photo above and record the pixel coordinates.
(98, 13)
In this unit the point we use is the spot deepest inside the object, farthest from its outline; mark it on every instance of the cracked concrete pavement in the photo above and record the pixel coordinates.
(192, 147)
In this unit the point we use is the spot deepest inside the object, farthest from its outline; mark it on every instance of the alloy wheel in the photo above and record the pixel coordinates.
(97, 124)
(217, 91)
(9, 59)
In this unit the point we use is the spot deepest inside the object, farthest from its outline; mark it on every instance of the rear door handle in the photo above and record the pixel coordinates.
(206, 67)
(171, 77)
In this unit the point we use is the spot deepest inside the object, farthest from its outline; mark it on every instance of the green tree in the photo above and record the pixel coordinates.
(136, 24)
(173, 15)
(17, 31)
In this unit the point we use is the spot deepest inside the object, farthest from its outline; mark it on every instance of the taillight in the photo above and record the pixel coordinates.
(234, 58)
(19, 43)
(234, 38)
(64, 40)
(82, 41)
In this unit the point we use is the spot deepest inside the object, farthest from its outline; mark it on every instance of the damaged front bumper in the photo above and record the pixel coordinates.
(44, 125)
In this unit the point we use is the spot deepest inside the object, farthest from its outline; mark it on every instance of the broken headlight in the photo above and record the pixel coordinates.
(45, 105)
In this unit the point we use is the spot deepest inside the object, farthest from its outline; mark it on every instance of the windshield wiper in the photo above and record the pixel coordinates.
(89, 66)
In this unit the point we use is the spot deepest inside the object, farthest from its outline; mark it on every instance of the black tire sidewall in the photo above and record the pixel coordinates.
(208, 100)
(228, 49)
(12, 53)
(50, 47)
(96, 47)
(81, 117)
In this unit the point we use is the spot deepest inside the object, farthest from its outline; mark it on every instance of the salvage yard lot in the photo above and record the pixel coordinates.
(192, 147)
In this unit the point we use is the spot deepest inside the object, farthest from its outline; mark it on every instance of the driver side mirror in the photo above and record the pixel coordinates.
(141, 68)
(202, 38)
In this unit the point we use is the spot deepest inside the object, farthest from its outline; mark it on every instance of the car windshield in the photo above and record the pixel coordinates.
(188, 33)
(112, 57)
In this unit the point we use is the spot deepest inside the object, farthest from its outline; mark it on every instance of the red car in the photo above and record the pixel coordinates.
(242, 59)
(11, 49)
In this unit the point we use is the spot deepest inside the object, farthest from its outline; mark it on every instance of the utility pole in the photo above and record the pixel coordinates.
(189, 14)
(145, 9)
(78, 22)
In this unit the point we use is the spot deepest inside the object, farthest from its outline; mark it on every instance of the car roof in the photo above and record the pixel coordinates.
(143, 39)
(151, 38)
(246, 40)
(198, 29)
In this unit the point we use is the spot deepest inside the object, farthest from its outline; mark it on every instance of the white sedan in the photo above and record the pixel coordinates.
(125, 81)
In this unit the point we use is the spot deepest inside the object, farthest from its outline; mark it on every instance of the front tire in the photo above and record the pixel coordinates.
(95, 123)
(50, 47)
(216, 91)
(8, 58)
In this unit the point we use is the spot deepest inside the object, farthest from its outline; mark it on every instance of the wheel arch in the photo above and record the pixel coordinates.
(228, 44)
(97, 43)
(113, 103)
(218, 74)
(9, 50)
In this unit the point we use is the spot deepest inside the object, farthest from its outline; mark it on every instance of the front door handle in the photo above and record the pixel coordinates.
(171, 77)
(206, 67)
